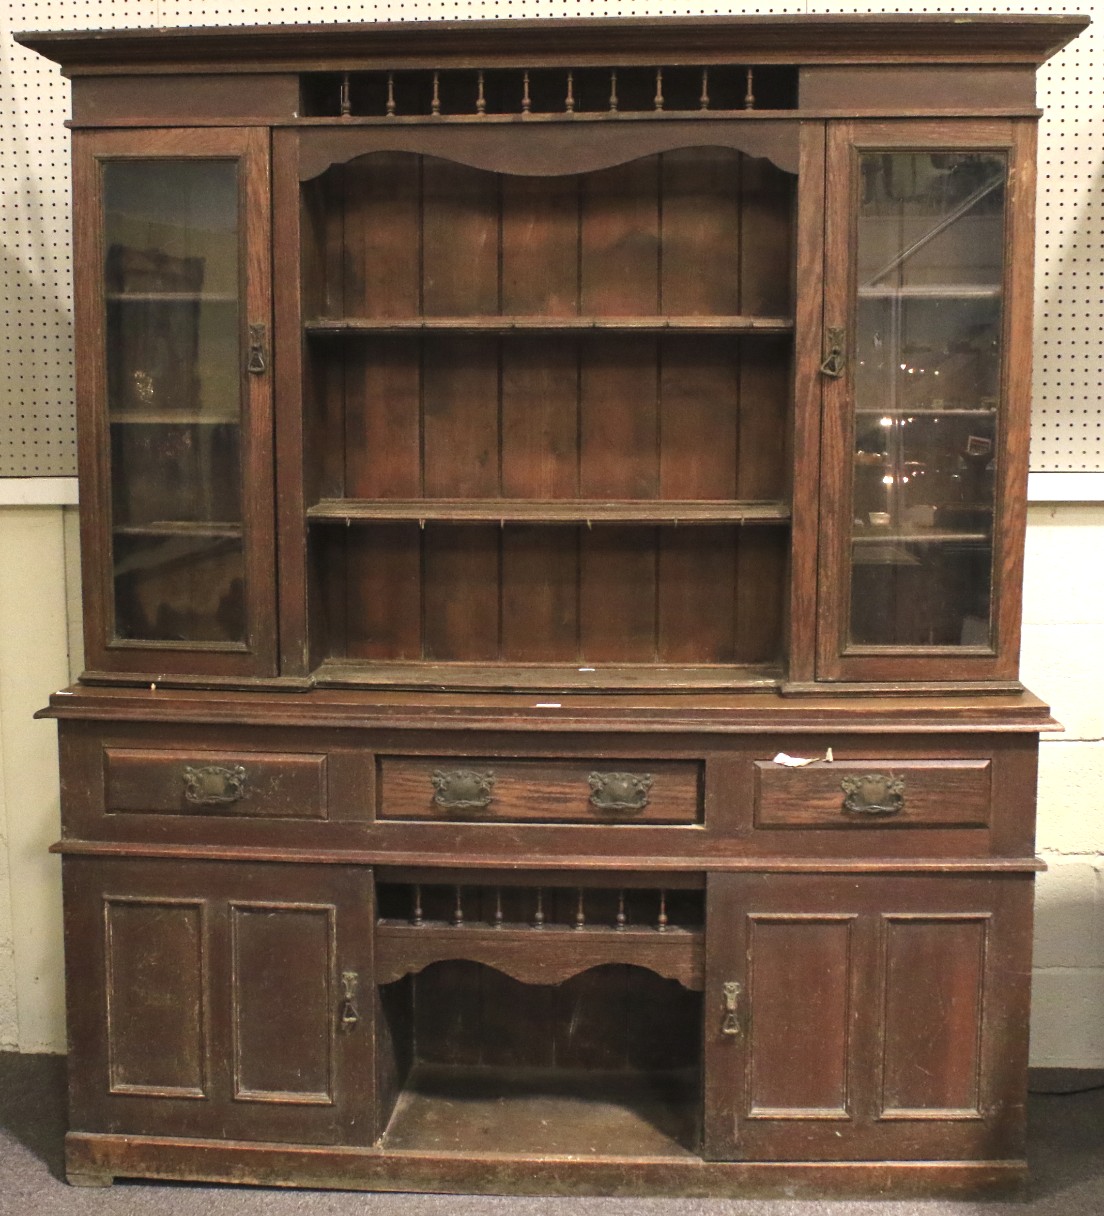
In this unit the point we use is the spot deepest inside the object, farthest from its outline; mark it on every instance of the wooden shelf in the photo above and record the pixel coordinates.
(547, 955)
(551, 1111)
(167, 417)
(546, 511)
(368, 326)
(180, 527)
(544, 677)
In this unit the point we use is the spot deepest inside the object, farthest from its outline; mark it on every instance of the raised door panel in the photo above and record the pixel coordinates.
(220, 999)
(926, 384)
(865, 1017)
(173, 326)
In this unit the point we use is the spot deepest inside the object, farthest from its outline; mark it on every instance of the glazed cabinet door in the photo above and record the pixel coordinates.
(220, 999)
(173, 311)
(866, 1018)
(926, 383)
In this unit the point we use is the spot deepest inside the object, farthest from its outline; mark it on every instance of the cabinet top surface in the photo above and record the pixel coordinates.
(834, 38)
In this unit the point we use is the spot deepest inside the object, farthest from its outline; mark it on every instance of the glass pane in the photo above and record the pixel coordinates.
(927, 387)
(174, 382)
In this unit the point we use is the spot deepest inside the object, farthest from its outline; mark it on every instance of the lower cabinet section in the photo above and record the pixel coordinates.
(728, 1017)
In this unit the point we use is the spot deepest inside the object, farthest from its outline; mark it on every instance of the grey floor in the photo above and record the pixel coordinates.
(1066, 1153)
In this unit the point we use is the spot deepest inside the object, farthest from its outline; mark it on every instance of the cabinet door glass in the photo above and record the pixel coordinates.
(928, 352)
(174, 392)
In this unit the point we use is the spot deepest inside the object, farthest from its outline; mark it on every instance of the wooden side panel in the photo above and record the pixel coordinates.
(283, 1003)
(157, 1021)
(799, 1040)
(934, 1001)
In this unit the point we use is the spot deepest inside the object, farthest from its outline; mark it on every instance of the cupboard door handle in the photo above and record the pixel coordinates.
(349, 1016)
(875, 795)
(620, 791)
(214, 784)
(463, 789)
(730, 1024)
(258, 350)
(835, 355)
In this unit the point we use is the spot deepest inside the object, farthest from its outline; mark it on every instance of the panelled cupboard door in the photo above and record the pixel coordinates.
(220, 999)
(926, 392)
(866, 1018)
(174, 397)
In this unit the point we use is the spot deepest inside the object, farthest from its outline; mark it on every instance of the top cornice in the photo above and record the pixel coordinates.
(796, 39)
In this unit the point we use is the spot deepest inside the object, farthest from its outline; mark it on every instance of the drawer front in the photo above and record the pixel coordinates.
(875, 793)
(270, 785)
(539, 791)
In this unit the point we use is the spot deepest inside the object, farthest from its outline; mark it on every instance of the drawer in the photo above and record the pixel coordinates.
(270, 785)
(539, 791)
(876, 793)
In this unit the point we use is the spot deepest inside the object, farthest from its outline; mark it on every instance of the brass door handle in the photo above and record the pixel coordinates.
(620, 791)
(835, 354)
(875, 795)
(348, 1016)
(214, 784)
(463, 789)
(730, 1023)
(257, 363)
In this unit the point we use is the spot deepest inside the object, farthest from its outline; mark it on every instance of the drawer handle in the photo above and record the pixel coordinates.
(875, 795)
(620, 791)
(730, 1023)
(462, 789)
(348, 1015)
(214, 784)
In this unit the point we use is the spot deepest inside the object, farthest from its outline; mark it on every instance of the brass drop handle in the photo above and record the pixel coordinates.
(463, 789)
(349, 1016)
(730, 1024)
(835, 355)
(258, 350)
(874, 795)
(620, 791)
(214, 784)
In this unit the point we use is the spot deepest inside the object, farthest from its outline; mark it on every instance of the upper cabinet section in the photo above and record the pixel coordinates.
(660, 354)
(174, 328)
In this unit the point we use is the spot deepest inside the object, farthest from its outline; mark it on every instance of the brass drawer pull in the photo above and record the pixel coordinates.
(730, 1024)
(349, 1016)
(620, 791)
(462, 789)
(214, 784)
(874, 795)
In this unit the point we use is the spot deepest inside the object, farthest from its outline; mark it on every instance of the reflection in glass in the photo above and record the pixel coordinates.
(927, 388)
(174, 384)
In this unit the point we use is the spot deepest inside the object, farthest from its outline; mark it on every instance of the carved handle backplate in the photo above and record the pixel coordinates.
(214, 784)
(876, 795)
(349, 1016)
(620, 791)
(730, 1023)
(257, 363)
(835, 354)
(463, 789)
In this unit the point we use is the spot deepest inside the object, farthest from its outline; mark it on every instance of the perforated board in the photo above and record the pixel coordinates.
(37, 434)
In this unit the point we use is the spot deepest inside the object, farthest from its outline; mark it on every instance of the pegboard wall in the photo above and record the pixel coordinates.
(37, 434)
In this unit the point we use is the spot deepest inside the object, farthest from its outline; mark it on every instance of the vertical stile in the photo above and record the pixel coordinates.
(569, 100)
(538, 915)
(622, 919)
(458, 911)
(480, 96)
(659, 90)
(416, 916)
(749, 96)
(580, 912)
(703, 101)
(391, 95)
(661, 920)
(526, 101)
(346, 97)
(435, 104)
(498, 918)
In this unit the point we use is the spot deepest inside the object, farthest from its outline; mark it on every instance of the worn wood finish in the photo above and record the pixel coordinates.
(560, 489)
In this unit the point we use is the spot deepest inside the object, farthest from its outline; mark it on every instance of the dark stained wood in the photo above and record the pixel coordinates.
(383, 618)
(540, 608)
(146, 100)
(539, 790)
(540, 237)
(460, 593)
(953, 89)
(383, 433)
(540, 423)
(617, 595)
(381, 236)
(548, 511)
(155, 782)
(460, 240)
